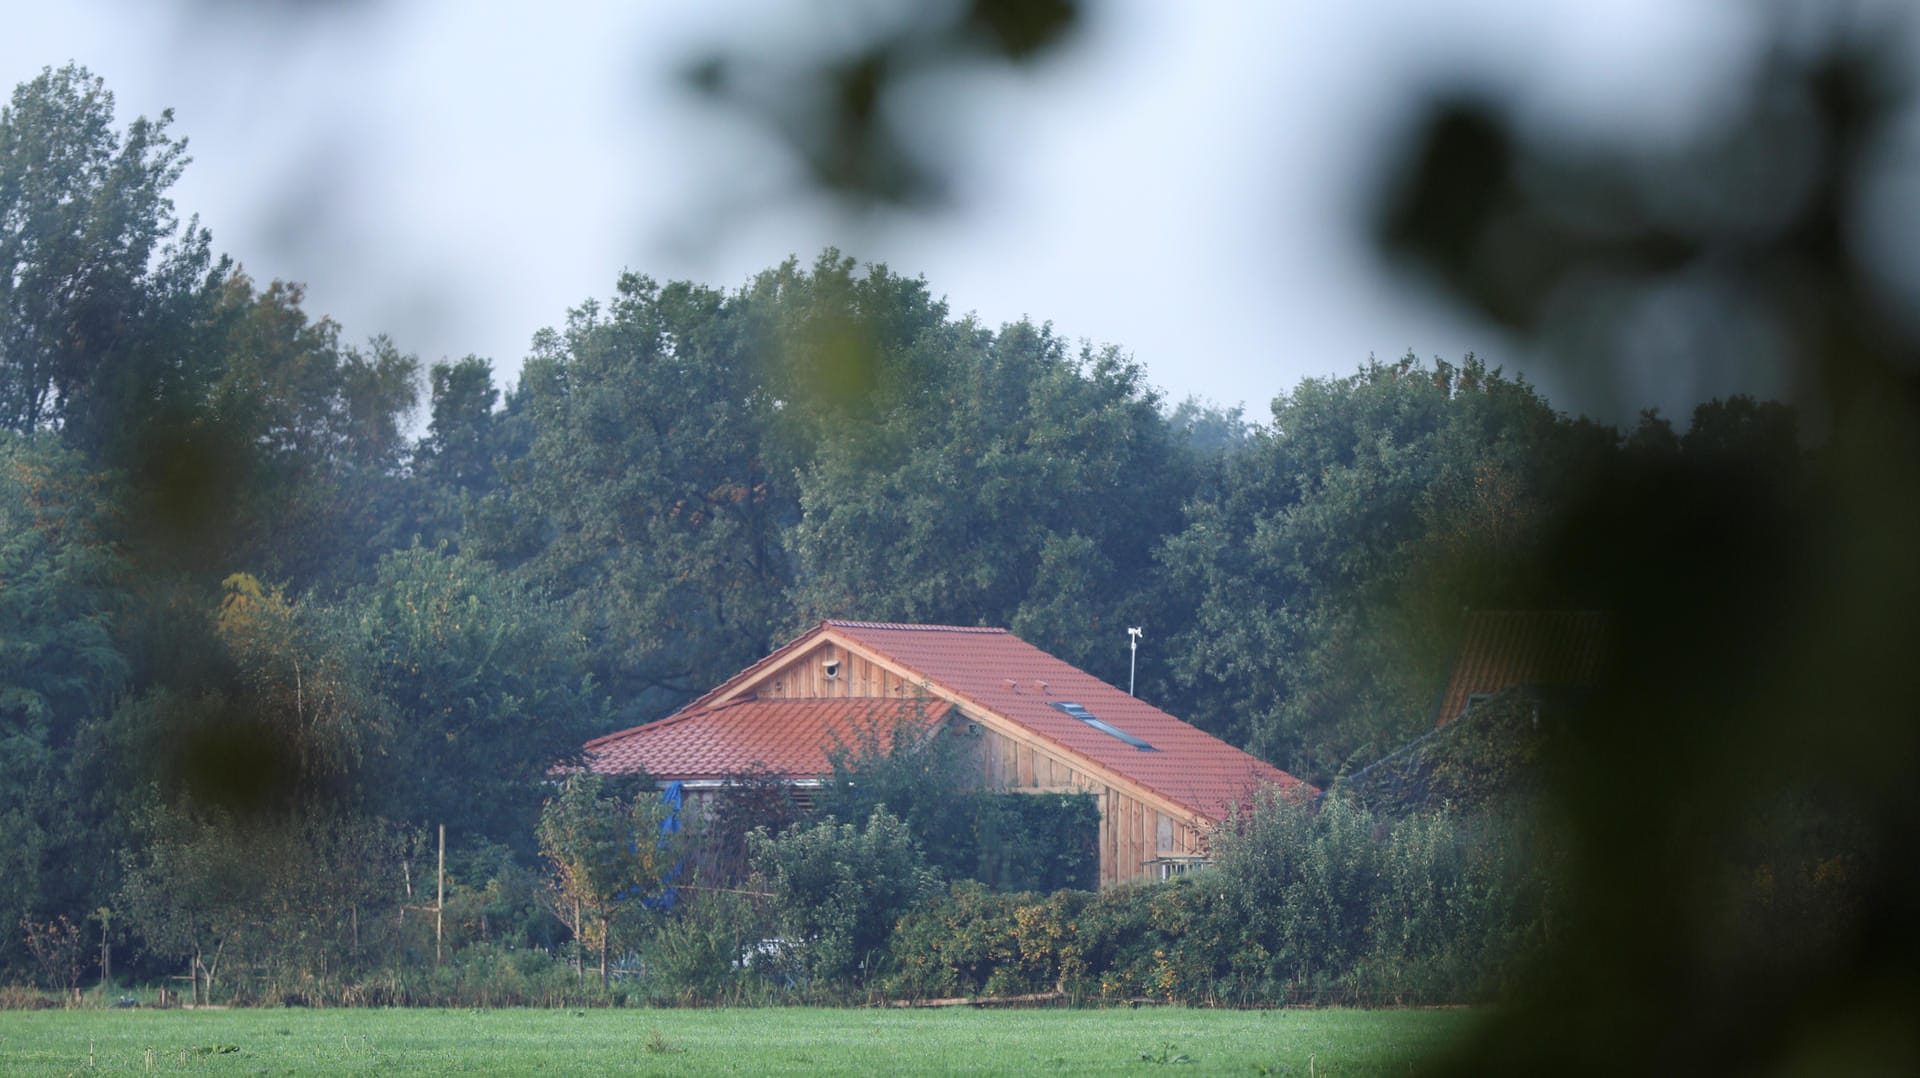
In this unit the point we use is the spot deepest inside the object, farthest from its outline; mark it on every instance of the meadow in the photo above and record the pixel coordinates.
(723, 1041)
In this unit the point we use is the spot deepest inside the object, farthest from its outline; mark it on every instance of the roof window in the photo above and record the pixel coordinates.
(1075, 711)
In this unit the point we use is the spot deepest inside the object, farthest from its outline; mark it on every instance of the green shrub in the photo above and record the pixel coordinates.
(487, 975)
(1325, 906)
(14, 997)
(838, 891)
(702, 954)
(969, 942)
(1009, 841)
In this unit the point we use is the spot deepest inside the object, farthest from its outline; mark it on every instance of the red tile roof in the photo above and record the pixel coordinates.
(1502, 649)
(989, 670)
(785, 737)
(999, 672)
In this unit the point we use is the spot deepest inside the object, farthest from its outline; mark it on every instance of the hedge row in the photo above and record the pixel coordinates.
(1330, 905)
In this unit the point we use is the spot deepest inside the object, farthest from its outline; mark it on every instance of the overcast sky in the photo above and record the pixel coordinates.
(1186, 181)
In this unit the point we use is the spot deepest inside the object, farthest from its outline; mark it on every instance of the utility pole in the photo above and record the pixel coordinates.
(1133, 659)
(439, 893)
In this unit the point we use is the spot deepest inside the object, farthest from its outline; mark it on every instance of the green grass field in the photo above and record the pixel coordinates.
(1149, 1040)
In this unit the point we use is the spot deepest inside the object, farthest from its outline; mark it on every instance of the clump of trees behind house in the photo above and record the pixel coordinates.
(262, 633)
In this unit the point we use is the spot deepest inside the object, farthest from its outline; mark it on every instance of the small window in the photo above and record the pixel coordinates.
(1073, 710)
(1166, 868)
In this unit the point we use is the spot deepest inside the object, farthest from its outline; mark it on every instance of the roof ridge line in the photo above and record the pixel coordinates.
(845, 623)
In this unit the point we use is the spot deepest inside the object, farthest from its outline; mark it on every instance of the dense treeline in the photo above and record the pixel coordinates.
(274, 605)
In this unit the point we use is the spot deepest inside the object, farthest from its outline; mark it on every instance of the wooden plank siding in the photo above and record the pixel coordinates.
(805, 677)
(1133, 831)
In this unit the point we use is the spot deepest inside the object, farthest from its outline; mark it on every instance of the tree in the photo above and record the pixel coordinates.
(608, 855)
(1019, 483)
(485, 687)
(654, 503)
(90, 255)
(282, 892)
(299, 437)
(303, 701)
(62, 663)
(916, 772)
(458, 451)
(1330, 567)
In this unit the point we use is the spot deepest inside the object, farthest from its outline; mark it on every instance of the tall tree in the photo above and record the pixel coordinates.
(62, 663)
(91, 257)
(1329, 568)
(299, 439)
(458, 450)
(1021, 483)
(648, 493)
(485, 688)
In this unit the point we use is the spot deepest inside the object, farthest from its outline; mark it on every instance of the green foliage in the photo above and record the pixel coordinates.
(923, 775)
(482, 975)
(910, 768)
(1331, 566)
(90, 256)
(302, 696)
(1303, 878)
(484, 687)
(707, 953)
(495, 899)
(460, 457)
(608, 855)
(1462, 906)
(282, 893)
(972, 941)
(1032, 842)
(297, 436)
(1005, 481)
(1325, 906)
(838, 889)
(61, 664)
(59, 574)
(651, 499)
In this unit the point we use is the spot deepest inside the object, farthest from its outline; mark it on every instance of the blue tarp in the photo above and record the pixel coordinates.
(673, 796)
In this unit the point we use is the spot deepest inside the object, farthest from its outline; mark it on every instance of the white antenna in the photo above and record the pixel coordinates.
(1133, 659)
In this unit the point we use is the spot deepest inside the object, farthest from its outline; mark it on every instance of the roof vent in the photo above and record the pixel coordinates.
(1075, 711)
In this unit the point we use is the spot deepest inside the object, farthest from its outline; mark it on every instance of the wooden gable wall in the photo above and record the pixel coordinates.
(1136, 830)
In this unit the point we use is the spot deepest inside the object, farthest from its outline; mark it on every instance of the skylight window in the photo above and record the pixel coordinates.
(1075, 711)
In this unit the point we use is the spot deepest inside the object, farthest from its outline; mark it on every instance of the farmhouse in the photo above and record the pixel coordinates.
(1033, 724)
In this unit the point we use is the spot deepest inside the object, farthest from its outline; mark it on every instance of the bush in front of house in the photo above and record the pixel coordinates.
(711, 952)
(973, 941)
(837, 891)
(1328, 904)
